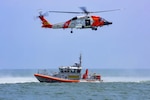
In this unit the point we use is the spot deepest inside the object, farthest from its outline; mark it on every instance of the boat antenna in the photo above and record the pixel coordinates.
(80, 59)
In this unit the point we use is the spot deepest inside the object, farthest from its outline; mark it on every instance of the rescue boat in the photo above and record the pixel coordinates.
(68, 74)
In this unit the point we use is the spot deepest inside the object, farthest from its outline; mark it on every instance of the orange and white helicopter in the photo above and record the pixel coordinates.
(78, 22)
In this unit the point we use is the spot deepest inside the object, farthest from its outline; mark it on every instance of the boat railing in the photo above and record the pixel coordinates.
(42, 71)
(46, 72)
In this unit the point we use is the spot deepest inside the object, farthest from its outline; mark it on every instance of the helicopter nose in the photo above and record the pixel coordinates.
(107, 23)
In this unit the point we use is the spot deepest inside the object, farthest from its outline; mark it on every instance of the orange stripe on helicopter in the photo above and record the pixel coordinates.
(45, 23)
(66, 24)
(97, 21)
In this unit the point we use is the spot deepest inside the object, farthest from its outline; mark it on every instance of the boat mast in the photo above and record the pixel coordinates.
(80, 60)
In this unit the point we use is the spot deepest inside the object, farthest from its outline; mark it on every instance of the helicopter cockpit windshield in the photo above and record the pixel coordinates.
(105, 21)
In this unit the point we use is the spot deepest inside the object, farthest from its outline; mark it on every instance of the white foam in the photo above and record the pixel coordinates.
(11, 79)
(125, 79)
(90, 81)
(17, 79)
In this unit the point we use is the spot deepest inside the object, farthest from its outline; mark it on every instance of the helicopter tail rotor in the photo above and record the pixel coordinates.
(43, 14)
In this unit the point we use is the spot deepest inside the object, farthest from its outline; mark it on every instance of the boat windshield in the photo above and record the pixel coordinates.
(69, 70)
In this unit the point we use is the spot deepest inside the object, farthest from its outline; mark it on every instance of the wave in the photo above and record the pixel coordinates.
(11, 79)
(126, 79)
(4, 80)
(28, 79)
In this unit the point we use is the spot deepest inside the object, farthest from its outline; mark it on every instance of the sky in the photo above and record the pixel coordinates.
(25, 45)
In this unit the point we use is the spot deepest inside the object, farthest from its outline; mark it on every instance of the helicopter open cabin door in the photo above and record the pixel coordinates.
(87, 22)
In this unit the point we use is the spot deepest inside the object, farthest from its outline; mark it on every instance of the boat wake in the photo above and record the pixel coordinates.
(5, 80)
(126, 79)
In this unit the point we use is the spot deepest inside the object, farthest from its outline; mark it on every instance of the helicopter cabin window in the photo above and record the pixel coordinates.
(87, 22)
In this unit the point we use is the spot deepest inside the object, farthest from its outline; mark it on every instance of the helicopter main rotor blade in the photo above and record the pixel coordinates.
(66, 12)
(84, 11)
(87, 12)
(104, 11)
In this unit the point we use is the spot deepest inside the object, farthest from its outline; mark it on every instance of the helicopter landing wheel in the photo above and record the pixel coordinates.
(71, 31)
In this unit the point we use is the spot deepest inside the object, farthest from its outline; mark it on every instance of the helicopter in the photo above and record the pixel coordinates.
(79, 22)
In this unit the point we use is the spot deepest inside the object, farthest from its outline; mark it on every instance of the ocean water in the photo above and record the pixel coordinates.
(118, 84)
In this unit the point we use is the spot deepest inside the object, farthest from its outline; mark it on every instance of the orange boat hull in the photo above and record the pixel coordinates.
(50, 79)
